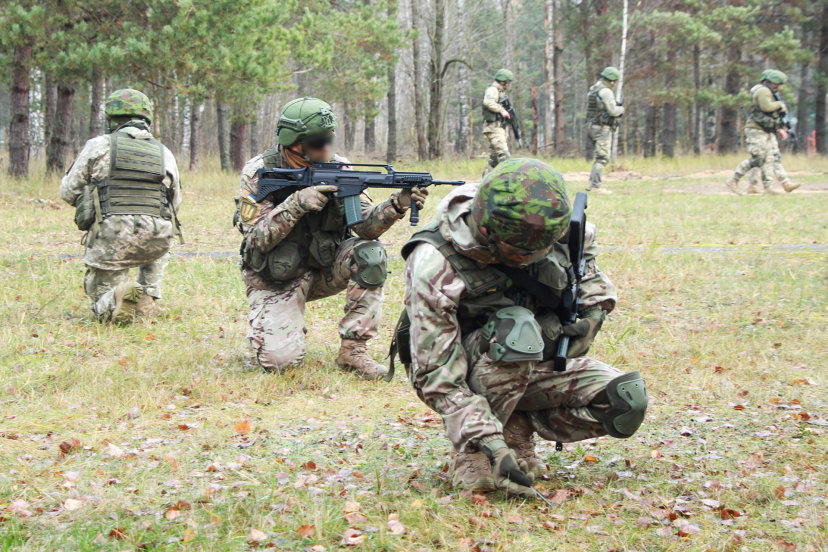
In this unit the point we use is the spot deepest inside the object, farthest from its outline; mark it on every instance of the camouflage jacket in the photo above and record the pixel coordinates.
(764, 113)
(123, 241)
(494, 94)
(433, 295)
(272, 223)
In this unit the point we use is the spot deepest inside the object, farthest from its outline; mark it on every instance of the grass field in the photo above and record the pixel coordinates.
(166, 436)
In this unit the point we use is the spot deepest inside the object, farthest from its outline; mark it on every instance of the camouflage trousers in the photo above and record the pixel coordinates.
(498, 143)
(775, 160)
(100, 284)
(512, 386)
(759, 145)
(277, 316)
(601, 138)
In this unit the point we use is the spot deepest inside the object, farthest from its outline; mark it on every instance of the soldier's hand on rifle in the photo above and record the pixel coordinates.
(313, 198)
(585, 331)
(416, 194)
(783, 134)
(505, 114)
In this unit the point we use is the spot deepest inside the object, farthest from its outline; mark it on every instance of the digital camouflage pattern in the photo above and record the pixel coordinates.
(494, 131)
(277, 313)
(475, 396)
(524, 203)
(601, 117)
(128, 102)
(122, 241)
(777, 170)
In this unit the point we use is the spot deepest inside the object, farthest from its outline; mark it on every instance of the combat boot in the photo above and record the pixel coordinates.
(754, 189)
(733, 185)
(127, 296)
(472, 471)
(790, 186)
(354, 357)
(600, 190)
(770, 190)
(520, 436)
(147, 307)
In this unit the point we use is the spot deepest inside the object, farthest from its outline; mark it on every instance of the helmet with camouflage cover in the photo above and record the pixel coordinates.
(524, 203)
(128, 102)
(504, 75)
(776, 77)
(610, 73)
(304, 117)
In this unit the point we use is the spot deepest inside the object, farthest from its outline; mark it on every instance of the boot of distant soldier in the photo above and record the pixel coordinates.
(754, 189)
(472, 471)
(770, 190)
(147, 307)
(354, 357)
(733, 185)
(789, 186)
(600, 190)
(520, 436)
(127, 296)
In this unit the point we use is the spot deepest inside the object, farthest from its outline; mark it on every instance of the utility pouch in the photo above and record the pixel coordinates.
(284, 261)
(551, 329)
(85, 208)
(323, 249)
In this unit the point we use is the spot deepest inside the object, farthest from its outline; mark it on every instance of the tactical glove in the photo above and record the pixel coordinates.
(509, 473)
(313, 198)
(585, 331)
(405, 197)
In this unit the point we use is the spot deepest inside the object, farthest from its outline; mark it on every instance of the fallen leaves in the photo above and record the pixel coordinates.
(256, 536)
(20, 508)
(72, 504)
(353, 537)
(114, 451)
(306, 531)
(243, 427)
(394, 526)
(172, 514)
(68, 447)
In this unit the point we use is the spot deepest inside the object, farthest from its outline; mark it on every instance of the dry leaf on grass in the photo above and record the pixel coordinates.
(172, 514)
(353, 537)
(20, 507)
(395, 527)
(256, 535)
(118, 533)
(114, 451)
(355, 518)
(243, 427)
(72, 504)
(351, 506)
(306, 531)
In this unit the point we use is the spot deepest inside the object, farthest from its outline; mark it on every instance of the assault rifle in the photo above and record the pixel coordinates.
(506, 104)
(570, 302)
(350, 183)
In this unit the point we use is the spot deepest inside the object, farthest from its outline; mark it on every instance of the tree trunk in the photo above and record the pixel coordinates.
(650, 131)
(435, 114)
(348, 128)
(391, 138)
(728, 126)
(369, 135)
(19, 147)
(801, 129)
(223, 138)
(549, 58)
(668, 126)
(620, 89)
(696, 134)
(238, 144)
(61, 139)
(535, 124)
(557, 62)
(49, 107)
(195, 121)
(419, 104)
(463, 142)
(821, 78)
(95, 97)
(254, 139)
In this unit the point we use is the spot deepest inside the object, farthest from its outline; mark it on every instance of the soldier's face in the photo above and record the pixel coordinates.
(319, 149)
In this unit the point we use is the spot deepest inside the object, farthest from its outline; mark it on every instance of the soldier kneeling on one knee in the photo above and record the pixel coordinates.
(479, 348)
(298, 248)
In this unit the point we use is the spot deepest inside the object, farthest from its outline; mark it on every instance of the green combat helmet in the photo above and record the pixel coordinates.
(776, 77)
(504, 75)
(128, 102)
(304, 117)
(524, 203)
(610, 73)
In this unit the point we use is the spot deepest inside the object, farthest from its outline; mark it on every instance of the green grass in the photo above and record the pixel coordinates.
(731, 341)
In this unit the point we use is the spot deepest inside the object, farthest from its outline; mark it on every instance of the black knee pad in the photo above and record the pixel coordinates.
(372, 264)
(627, 396)
(755, 161)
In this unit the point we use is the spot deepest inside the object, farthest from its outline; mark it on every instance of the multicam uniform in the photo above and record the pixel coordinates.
(308, 256)
(602, 114)
(493, 128)
(760, 135)
(474, 395)
(125, 236)
(774, 157)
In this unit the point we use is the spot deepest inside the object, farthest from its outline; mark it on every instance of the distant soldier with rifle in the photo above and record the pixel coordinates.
(503, 300)
(765, 120)
(126, 191)
(497, 113)
(785, 131)
(603, 115)
(298, 246)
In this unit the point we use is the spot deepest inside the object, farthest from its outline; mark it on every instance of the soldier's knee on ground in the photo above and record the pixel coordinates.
(621, 407)
(371, 264)
(282, 359)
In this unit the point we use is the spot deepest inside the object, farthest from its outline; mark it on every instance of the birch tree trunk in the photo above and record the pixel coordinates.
(195, 120)
(619, 91)
(463, 142)
(19, 147)
(95, 97)
(549, 54)
(419, 104)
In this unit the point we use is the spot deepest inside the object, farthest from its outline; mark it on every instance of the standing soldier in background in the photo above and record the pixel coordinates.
(763, 123)
(126, 191)
(603, 112)
(297, 248)
(482, 336)
(493, 116)
(774, 154)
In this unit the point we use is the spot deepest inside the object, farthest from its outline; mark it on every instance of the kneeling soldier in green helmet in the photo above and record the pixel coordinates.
(763, 124)
(603, 112)
(306, 251)
(126, 191)
(493, 116)
(482, 348)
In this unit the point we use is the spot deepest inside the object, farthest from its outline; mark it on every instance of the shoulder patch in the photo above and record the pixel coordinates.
(248, 209)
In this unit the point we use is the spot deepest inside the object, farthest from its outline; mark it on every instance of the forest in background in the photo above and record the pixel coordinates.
(406, 78)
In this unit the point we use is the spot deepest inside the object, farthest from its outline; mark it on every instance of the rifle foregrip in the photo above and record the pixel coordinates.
(560, 355)
(353, 210)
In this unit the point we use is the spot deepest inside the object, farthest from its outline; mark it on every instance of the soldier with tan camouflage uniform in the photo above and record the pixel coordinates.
(493, 118)
(603, 112)
(297, 248)
(762, 126)
(481, 346)
(126, 191)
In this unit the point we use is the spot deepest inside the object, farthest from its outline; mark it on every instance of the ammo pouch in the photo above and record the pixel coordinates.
(490, 116)
(85, 211)
(551, 329)
(280, 264)
(768, 121)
